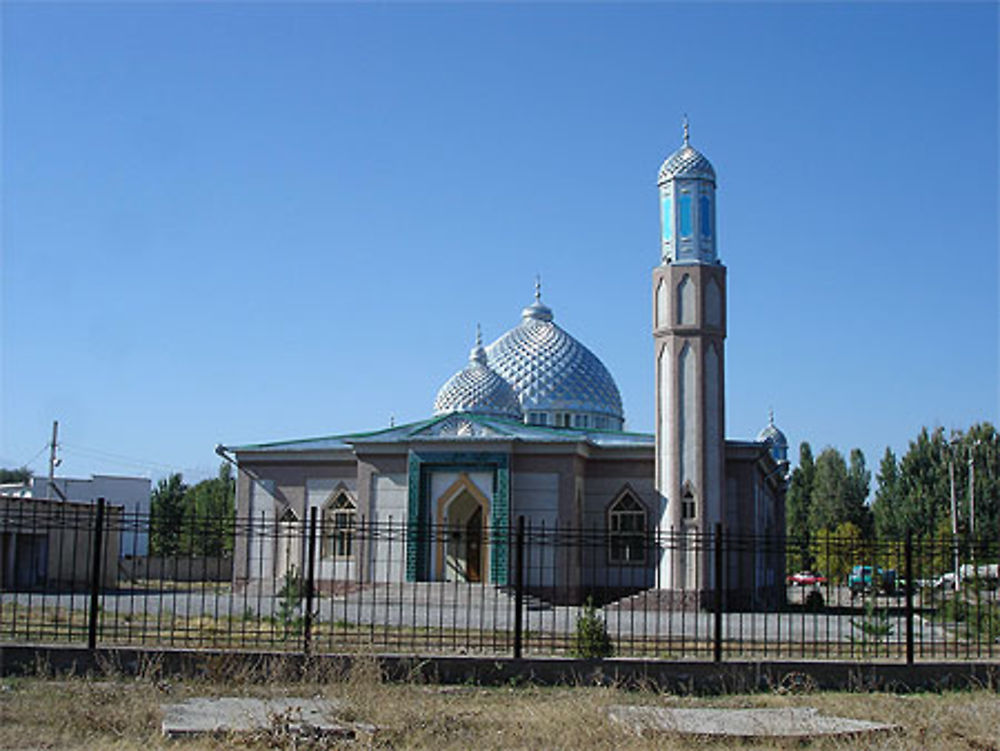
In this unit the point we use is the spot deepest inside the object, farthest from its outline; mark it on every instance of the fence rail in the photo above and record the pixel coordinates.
(326, 584)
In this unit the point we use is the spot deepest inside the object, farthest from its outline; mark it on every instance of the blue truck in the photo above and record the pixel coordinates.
(869, 579)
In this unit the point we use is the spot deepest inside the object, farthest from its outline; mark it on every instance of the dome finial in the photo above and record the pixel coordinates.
(770, 416)
(537, 310)
(478, 354)
(687, 132)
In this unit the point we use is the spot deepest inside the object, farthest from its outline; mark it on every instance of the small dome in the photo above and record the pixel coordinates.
(686, 162)
(477, 388)
(550, 370)
(771, 434)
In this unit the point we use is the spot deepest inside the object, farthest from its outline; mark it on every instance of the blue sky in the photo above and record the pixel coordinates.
(244, 222)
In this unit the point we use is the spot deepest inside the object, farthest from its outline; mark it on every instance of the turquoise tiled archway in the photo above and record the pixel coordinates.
(418, 544)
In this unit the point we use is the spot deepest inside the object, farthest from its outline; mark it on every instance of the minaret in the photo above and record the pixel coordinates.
(689, 331)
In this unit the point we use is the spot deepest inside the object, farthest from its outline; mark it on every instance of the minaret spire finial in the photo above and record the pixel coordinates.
(687, 133)
(538, 287)
(479, 335)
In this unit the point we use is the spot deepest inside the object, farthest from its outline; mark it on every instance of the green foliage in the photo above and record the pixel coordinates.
(839, 493)
(887, 507)
(196, 520)
(836, 552)
(914, 493)
(289, 612)
(872, 629)
(797, 510)
(21, 474)
(591, 638)
(166, 521)
(859, 480)
(980, 619)
(209, 509)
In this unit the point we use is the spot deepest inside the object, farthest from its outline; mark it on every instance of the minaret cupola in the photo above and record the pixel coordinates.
(687, 206)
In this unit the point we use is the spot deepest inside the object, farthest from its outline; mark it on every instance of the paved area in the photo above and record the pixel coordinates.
(436, 605)
(286, 718)
(797, 723)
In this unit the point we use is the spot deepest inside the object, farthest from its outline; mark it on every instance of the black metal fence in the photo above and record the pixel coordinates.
(333, 583)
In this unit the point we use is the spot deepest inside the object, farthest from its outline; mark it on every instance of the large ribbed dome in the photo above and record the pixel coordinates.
(552, 371)
(477, 388)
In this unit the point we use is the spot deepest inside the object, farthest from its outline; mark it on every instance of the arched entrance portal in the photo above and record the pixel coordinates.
(464, 521)
(463, 511)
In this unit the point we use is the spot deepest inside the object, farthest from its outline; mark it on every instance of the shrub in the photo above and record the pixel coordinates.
(872, 629)
(290, 603)
(592, 638)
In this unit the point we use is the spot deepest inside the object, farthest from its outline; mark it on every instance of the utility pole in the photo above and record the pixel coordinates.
(972, 489)
(54, 462)
(972, 502)
(954, 510)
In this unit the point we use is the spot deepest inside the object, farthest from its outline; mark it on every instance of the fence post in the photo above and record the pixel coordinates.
(908, 566)
(95, 575)
(719, 565)
(310, 583)
(518, 587)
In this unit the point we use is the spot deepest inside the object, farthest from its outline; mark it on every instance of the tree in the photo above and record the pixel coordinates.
(981, 444)
(166, 519)
(21, 474)
(838, 494)
(888, 505)
(859, 480)
(836, 551)
(914, 493)
(209, 511)
(798, 502)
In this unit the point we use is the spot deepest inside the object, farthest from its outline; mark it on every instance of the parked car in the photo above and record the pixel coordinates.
(872, 579)
(806, 579)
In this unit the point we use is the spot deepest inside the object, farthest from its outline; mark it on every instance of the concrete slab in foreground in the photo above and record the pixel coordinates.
(301, 717)
(796, 723)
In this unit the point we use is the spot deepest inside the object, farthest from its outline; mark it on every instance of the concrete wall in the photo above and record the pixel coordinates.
(676, 677)
(176, 568)
(387, 551)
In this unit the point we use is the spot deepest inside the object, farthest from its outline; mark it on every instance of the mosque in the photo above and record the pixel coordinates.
(533, 426)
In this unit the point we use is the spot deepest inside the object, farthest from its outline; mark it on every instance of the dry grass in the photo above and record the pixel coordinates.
(114, 712)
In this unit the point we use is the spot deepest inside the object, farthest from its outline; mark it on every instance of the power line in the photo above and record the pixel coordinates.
(121, 459)
(32, 459)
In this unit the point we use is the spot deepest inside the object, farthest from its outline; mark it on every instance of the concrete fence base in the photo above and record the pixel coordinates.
(676, 677)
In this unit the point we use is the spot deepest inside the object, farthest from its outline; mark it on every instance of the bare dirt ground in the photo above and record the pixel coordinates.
(112, 711)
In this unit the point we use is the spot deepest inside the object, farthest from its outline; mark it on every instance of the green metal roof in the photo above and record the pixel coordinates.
(484, 428)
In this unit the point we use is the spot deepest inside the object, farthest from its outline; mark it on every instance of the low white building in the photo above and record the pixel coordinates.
(131, 494)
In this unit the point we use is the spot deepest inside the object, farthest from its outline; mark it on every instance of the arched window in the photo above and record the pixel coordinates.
(338, 527)
(689, 507)
(626, 530)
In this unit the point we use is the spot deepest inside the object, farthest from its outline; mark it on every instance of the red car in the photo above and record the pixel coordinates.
(806, 579)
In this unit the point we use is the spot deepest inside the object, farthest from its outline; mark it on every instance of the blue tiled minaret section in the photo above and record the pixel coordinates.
(687, 206)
